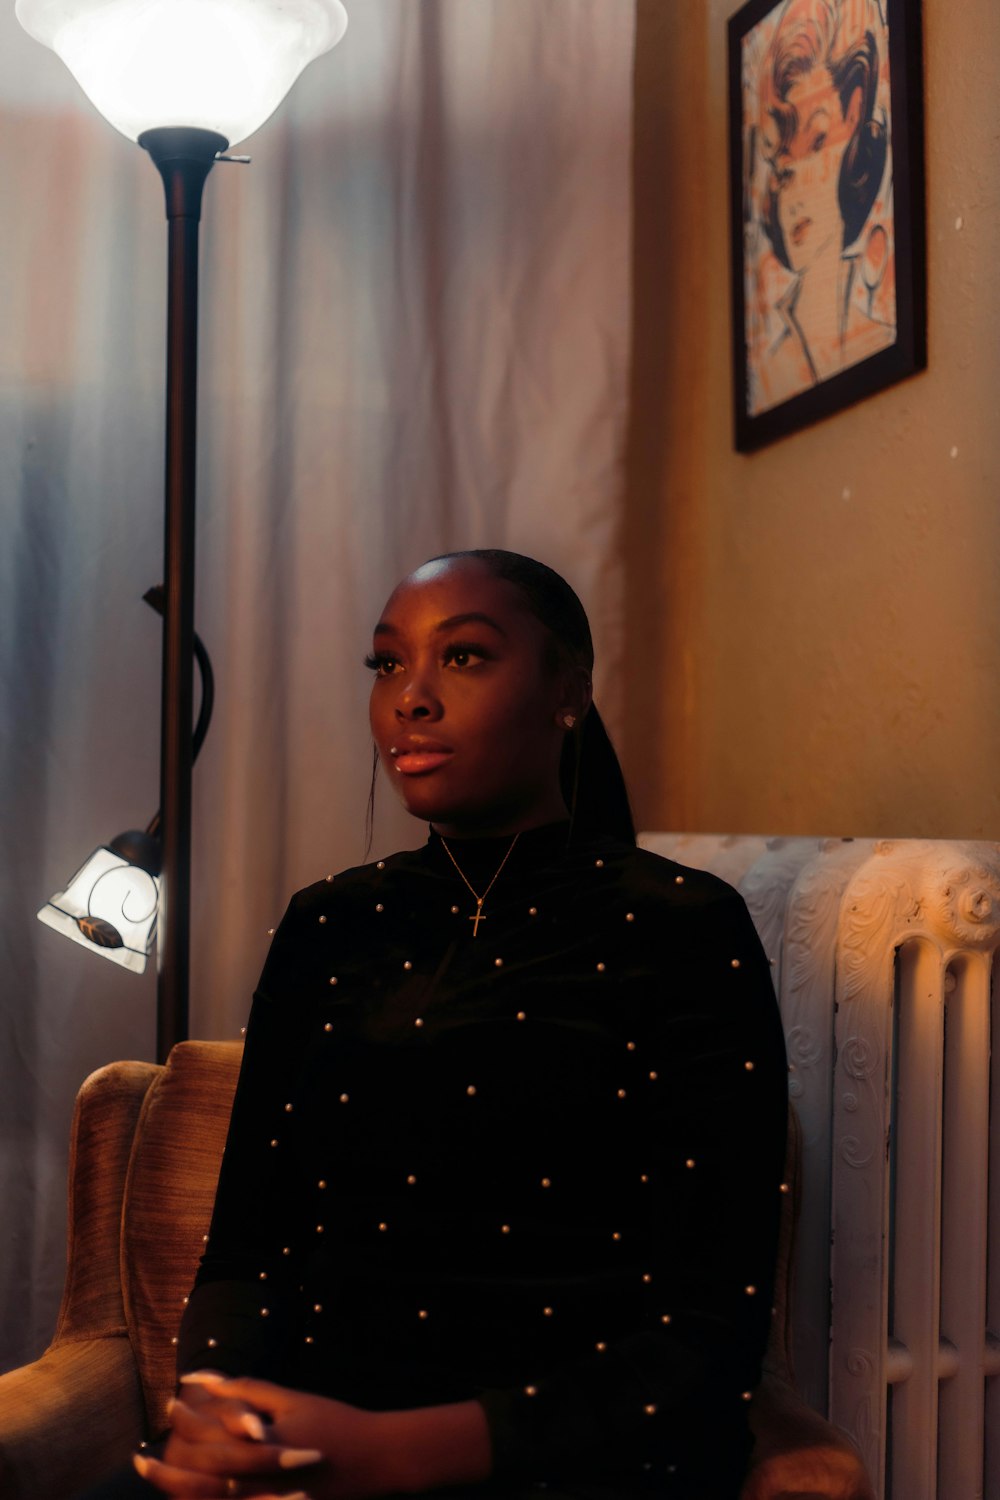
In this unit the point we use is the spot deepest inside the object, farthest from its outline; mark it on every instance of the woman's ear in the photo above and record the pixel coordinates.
(577, 696)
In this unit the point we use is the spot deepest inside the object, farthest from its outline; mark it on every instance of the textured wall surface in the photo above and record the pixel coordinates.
(814, 630)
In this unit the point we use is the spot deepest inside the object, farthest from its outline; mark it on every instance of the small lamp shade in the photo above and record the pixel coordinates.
(220, 65)
(110, 904)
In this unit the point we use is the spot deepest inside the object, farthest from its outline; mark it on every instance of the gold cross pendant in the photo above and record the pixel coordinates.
(477, 919)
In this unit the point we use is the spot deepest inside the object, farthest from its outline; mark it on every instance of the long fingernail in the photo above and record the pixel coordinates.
(297, 1458)
(202, 1377)
(252, 1426)
(141, 1464)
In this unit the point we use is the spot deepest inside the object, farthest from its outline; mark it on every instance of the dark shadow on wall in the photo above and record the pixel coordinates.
(661, 479)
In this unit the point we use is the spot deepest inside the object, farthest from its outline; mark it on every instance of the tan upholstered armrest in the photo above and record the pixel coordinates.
(72, 1416)
(104, 1121)
(78, 1410)
(797, 1453)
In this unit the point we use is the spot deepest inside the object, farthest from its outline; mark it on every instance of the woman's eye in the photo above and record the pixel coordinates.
(820, 141)
(460, 655)
(382, 664)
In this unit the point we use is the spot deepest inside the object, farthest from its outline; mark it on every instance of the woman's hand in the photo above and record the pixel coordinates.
(338, 1451)
(218, 1445)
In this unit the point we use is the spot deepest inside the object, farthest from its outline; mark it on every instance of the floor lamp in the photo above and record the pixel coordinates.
(186, 79)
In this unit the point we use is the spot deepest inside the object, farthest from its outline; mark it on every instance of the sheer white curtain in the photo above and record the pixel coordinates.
(414, 338)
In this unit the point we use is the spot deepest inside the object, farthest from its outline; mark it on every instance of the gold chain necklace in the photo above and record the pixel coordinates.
(476, 896)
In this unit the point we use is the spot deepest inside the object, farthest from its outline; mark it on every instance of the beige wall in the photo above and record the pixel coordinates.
(814, 630)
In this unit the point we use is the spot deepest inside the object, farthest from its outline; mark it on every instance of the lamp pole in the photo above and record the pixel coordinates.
(184, 156)
(224, 66)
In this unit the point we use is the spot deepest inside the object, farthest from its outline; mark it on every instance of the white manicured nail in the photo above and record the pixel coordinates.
(298, 1458)
(252, 1426)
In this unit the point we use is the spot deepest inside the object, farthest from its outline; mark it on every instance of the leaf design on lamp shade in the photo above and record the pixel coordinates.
(99, 932)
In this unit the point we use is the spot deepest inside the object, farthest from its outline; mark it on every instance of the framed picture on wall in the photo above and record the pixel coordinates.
(827, 207)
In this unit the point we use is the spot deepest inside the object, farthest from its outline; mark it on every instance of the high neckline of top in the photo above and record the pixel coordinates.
(546, 838)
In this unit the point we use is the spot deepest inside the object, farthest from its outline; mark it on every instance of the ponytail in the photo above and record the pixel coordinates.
(593, 784)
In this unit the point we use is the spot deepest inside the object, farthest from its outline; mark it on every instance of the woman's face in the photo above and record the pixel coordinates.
(806, 170)
(464, 709)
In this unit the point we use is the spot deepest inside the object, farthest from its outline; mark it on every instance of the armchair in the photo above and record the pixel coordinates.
(145, 1152)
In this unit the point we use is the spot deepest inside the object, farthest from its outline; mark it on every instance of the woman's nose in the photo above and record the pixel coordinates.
(416, 701)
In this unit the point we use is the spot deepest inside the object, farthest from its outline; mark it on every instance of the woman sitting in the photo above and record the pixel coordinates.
(499, 1203)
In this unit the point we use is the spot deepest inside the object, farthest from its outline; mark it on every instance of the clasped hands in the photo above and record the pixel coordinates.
(244, 1437)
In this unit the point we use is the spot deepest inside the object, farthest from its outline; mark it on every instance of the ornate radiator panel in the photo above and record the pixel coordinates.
(884, 953)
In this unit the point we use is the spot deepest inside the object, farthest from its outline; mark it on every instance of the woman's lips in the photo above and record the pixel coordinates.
(416, 762)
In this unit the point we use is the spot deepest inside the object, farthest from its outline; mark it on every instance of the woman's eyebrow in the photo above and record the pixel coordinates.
(474, 616)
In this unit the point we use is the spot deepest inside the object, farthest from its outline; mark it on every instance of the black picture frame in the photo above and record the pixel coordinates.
(823, 316)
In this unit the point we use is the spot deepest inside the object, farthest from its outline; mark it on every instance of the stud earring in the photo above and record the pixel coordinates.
(569, 720)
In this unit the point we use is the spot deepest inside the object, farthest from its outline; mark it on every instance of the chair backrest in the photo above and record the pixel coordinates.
(169, 1194)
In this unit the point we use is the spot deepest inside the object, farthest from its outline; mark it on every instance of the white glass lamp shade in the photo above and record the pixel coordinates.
(221, 65)
(110, 907)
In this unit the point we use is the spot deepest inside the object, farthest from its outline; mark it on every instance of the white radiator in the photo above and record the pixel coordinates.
(884, 953)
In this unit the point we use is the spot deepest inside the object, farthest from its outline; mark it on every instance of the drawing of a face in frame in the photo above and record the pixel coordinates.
(820, 265)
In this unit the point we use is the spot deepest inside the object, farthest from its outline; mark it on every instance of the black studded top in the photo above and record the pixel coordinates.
(537, 1164)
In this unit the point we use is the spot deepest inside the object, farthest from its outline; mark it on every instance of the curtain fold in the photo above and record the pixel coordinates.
(414, 337)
